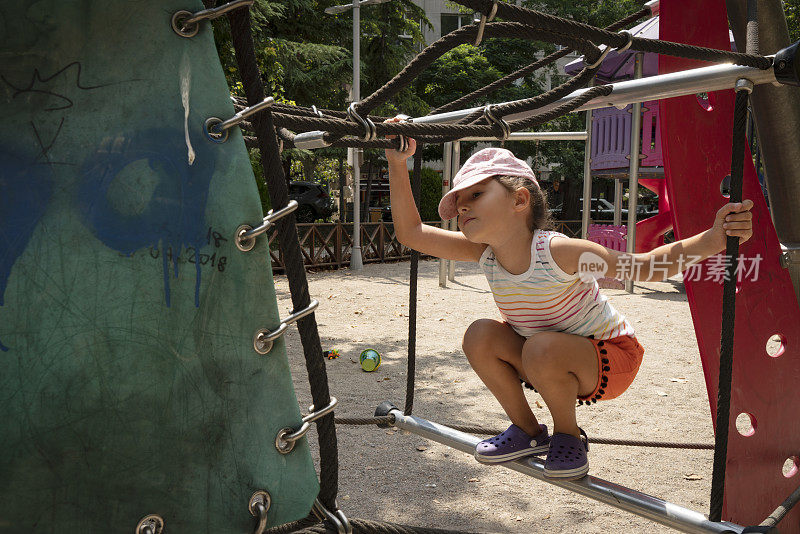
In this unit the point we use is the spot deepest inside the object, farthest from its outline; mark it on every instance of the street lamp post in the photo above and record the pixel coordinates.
(356, 262)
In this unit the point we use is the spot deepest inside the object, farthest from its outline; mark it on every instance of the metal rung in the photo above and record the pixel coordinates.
(641, 504)
(186, 23)
(287, 437)
(217, 130)
(263, 339)
(245, 238)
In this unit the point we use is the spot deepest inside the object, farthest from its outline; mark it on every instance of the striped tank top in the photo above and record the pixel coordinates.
(545, 298)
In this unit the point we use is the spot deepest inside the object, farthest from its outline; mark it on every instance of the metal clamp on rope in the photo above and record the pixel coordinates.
(246, 235)
(370, 134)
(743, 84)
(262, 341)
(338, 518)
(491, 118)
(217, 129)
(400, 137)
(186, 23)
(287, 437)
(603, 55)
(259, 506)
(151, 524)
(483, 21)
(629, 43)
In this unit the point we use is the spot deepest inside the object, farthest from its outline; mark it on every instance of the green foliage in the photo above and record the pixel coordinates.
(430, 194)
(792, 10)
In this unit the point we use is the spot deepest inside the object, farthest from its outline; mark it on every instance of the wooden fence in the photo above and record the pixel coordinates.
(329, 244)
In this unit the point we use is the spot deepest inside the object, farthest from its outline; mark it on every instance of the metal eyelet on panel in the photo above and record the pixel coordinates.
(263, 339)
(151, 524)
(245, 238)
(287, 437)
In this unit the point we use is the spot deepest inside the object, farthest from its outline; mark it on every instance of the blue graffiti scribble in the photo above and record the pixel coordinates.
(170, 218)
(25, 189)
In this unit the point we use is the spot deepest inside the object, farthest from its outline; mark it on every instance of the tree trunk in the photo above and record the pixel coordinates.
(571, 209)
(287, 167)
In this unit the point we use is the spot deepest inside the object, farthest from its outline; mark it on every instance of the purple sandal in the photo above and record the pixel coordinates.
(567, 459)
(512, 444)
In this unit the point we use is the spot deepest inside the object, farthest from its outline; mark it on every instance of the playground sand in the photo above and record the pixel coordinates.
(392, 475)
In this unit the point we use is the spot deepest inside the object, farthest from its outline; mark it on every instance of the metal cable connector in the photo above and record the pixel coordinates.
(245, 238)
(483, 21)
(151, 524)
(263, 339)
(259, 506)
(217, 130)
(491, 118)
(187, 24)
(370, 133)
(287, 437)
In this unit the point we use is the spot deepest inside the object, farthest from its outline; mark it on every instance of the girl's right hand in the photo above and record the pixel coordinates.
(395, 156)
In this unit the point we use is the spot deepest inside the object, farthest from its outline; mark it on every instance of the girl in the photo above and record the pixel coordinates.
(559, 334)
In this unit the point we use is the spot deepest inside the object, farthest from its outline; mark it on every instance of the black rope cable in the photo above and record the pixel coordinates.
(416, 182)
(524, 71)
(722, 422)
(537, 19)
(293, 259)
(363, 526)
(389, 420)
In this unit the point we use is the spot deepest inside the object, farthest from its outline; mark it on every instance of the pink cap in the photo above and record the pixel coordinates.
(480, 166)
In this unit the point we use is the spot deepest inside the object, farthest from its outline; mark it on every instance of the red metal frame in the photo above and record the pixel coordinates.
(697, 154)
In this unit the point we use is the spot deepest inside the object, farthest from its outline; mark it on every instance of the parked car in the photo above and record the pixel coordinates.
(313, 202)
(603, 209)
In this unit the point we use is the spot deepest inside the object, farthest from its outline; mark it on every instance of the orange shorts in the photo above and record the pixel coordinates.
(618, 361)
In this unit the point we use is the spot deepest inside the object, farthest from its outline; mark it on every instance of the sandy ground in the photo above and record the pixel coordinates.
(396, 476)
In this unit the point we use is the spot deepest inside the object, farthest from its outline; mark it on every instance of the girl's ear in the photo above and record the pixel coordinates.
(522, 199)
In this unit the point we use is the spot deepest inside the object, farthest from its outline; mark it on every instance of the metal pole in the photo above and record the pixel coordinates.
(617, 202)
(776, 110)
(447, 154)
(455, 165)
(356, 263)
(653, 508)
(535, 136)
(587, 175)
(633, 177)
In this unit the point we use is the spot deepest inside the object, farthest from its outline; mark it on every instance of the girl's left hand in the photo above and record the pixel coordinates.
(734, 219)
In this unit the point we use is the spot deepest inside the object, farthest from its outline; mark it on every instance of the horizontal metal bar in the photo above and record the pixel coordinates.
(682, 83)
(671, 515)
(534, 136)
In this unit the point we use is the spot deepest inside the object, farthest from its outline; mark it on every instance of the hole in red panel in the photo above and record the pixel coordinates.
(706, 101)
(725, 186)
(746, 424)
(790, 466)
(776, 345)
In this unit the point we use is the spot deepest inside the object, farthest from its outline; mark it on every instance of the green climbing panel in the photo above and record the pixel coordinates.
(128, 381)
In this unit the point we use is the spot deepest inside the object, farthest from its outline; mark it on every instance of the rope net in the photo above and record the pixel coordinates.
(276, 127)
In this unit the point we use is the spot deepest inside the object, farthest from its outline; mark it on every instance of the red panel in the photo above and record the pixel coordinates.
(697, 154)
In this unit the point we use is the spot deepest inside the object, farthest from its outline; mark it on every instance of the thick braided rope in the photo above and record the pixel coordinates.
(722, 422)
(524, 71)
(537, 19)
(461, 36)
(337, 126)
(287, 235)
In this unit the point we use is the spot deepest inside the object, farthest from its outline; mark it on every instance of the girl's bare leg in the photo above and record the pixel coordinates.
(495, 351)
(561, 367)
